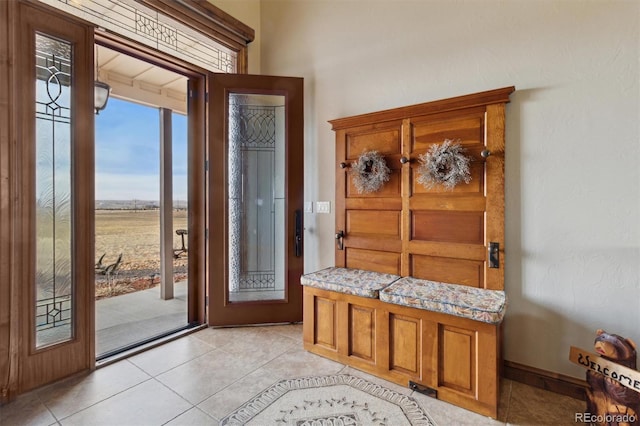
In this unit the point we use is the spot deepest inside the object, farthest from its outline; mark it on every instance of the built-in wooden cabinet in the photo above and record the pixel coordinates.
(432, 234)
(448, 357)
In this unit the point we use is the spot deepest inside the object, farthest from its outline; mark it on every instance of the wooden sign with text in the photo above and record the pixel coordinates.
(625, 376)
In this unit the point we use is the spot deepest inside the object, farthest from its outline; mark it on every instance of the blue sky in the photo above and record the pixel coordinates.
(128, 153)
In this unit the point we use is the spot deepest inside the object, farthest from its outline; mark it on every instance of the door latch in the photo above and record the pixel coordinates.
(494, 255)
(340, 239)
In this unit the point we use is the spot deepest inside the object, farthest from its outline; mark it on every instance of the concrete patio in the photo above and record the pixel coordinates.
(134, 317)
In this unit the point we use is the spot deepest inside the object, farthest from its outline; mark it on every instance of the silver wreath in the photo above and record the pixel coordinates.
(369, 172)
(445, 165)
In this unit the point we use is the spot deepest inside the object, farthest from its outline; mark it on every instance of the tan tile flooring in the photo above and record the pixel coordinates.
(200, 378)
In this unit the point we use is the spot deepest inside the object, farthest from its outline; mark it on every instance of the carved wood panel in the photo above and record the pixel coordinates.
(362, 329)
(325, 330)
(405, 345)
(457, 359)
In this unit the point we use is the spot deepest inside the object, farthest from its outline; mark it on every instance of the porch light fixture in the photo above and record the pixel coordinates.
(101, 94)
(101, 90)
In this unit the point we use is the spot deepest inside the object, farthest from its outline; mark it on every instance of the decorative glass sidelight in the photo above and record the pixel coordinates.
(53, 195)
(256, 169)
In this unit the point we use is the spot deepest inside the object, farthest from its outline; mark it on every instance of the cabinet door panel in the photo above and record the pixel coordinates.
(362, 331)
(448, 226)
(405, 351)
(373, 260)
(457, 359)
(325, 323)
(385, 141)
(469, 129)
(374, 223)
(448, 270)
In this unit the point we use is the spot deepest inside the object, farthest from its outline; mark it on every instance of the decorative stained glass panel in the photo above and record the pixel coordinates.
(256, 197)
(53, 197)
(153, 29)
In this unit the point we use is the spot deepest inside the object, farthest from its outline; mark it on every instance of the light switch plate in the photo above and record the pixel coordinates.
(308, 207)
(323, 206)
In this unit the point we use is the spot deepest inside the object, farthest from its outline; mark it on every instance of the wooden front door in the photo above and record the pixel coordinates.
(255, 199)
(451, 235)
(53, 251)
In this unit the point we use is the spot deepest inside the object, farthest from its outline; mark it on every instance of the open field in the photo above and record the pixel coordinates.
(135, 234)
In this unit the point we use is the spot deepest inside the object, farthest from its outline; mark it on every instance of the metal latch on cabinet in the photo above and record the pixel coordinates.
(340, 239)
(494, 255)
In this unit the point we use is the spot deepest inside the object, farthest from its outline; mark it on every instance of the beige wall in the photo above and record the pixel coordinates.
(573, 138)
(247, 12)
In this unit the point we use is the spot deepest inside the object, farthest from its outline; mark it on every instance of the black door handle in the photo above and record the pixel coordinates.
(298, 233)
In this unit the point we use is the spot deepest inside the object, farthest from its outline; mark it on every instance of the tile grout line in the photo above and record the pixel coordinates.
(150, 376)
(59, 420)
(103, 400)
(179, 396)
(213, 348)
(194, 407)
(239, 378)
(220, 348)
(243, 377)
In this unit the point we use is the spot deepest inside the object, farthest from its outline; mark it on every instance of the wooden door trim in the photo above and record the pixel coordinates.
(9, 286)
(196, 221)
(147, 54)
(340, 203)
(495, 143)
(196, 152)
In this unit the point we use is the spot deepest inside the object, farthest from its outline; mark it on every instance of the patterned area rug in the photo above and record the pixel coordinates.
(329, 400)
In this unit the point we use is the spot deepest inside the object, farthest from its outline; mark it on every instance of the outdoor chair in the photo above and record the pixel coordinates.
(183, 249)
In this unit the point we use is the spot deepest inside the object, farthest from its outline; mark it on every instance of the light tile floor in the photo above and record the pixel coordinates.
(200, 378)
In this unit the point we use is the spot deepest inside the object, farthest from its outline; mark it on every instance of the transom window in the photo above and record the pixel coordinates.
(139, 23)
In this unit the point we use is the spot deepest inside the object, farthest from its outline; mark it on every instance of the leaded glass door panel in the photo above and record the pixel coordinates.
(54, 215)
(256, 197)
(255, 200)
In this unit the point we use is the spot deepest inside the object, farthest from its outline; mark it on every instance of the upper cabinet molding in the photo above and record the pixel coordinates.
(496, 96)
